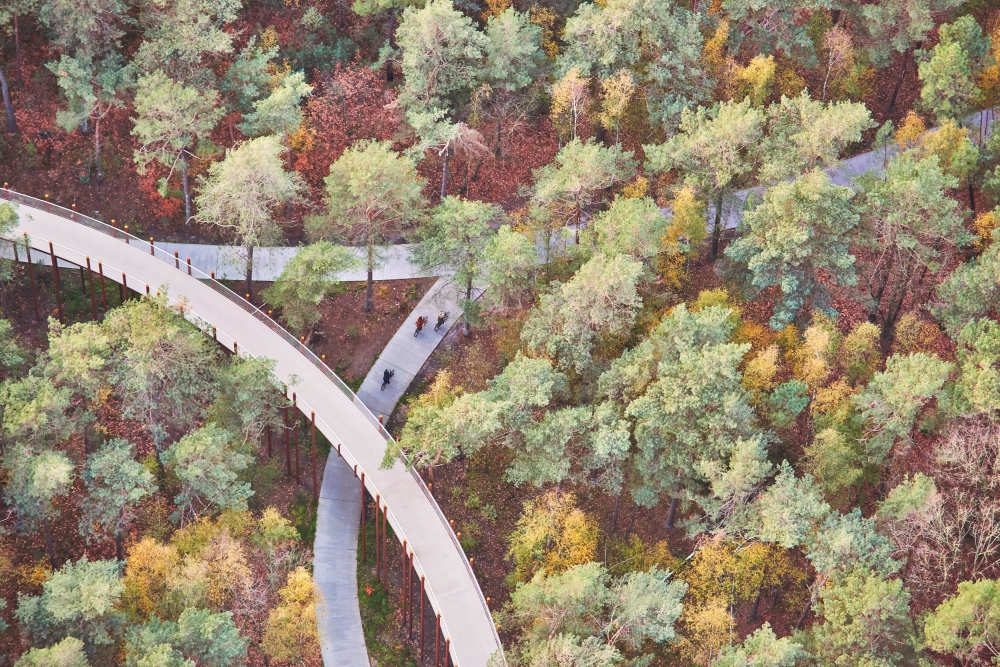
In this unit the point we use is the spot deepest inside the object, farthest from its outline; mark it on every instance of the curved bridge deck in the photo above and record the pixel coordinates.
(451, 587)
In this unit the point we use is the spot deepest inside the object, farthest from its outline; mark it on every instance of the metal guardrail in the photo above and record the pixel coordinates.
(221, 336)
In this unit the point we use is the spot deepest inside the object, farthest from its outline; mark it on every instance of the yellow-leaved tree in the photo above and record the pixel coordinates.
(291, 634)
(554, 534)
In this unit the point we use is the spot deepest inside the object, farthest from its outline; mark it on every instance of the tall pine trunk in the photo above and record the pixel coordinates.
(391, 42)
(444, 174)
(249, 276)
(187, 192)
(48, 542)
(17, 52)
(717, 228)
(468, 300)
(902, 75)
(368, 287)
(97, 149)
(11, 121)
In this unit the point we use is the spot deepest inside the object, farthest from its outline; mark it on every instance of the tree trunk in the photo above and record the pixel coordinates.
(368, 287)
(756, 604)
(97, 149)
(249, 276)
(468, 299)
(972, 198)
(11, 121)
(614, 516)
(672, 514)
(187, 192)
(48, 542)
(717, 229)
(804, 614)
(17, 53)
(444, 175)
(391, 41)
(902, 75)
(631, 521)
(119, 555)
(497, 151)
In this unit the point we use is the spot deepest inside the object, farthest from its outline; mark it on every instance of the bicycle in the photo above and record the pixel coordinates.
(386, 378)
(442, 317)
(421, 321)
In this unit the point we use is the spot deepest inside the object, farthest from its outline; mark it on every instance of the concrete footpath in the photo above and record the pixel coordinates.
(406, 354)
(335, 562)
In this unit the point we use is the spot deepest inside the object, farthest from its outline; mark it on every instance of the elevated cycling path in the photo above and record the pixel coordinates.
(450, 585)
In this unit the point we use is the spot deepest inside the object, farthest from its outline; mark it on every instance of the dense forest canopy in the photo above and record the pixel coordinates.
(807, 401)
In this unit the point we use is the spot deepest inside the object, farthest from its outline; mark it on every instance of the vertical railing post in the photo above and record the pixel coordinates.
(55, 275)
(385, 546)
(402, 588)
(123, 287)
(378, 538)
(437, 640)
(104, 296)
(151, 246)
(364, 524)
(421, 619)
(409, 592)
(31, 277)
(189, 265)
(288, 447)
(447, 650)
(177, 260)
(93, 297)
(312, 428)
(295, 436)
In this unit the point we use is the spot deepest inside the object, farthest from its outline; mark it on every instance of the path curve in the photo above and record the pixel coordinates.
(451, 586)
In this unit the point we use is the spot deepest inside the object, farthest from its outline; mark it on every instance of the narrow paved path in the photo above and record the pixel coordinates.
(405, 354)
(335, 561)
(451, 586)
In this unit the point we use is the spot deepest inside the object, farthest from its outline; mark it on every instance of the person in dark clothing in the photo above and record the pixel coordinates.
(386, 377)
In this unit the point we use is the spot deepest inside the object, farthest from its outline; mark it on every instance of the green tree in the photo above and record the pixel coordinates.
(799, 229)
(912, 223)
(441, 60)
(777, 26)
(681, 390)
(454, 238)
(67, 653)
(92, 90)
(183, 38)
(967, 625)
(867, 622)
(896, 25)
(240, 193)
(512, 265)
(78, 357)
(632, 227)
(514, 61)
(36, 412)
(656, 40)
(35, 482)
(893, 398)
(599, 301)
(578, 179)
(78, 600)
(715, 150)
(979, 359)
(371, 193)
(162, 366)
(115, 484)
(89, 33)
(12, 355)
(949, 74)
(761, 649)
(170, 118)
(250, 397)
(281, 111)
(306, 279)
(563, 613)
(197, 637)
(246, 80)
(9, 15)
(969, 292)
(208, 468)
